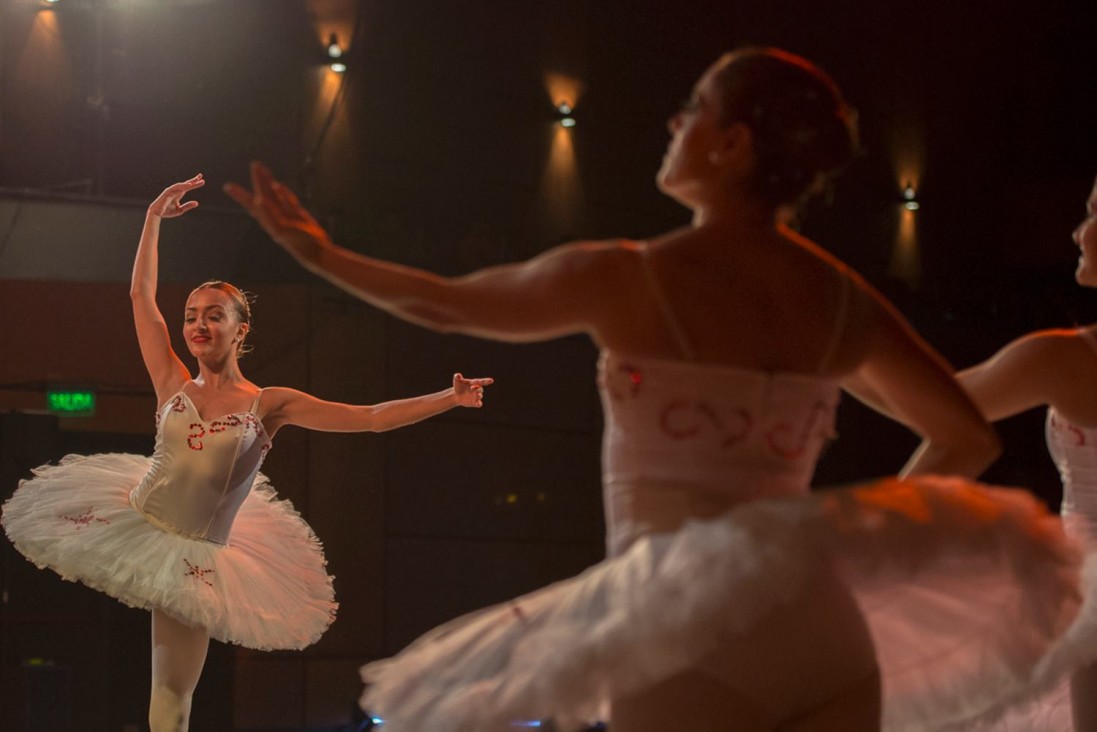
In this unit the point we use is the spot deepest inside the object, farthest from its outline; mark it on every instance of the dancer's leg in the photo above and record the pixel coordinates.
(809, 666)
(856, 708)
(178, 654)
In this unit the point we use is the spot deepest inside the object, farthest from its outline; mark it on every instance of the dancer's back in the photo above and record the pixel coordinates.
(698, 430)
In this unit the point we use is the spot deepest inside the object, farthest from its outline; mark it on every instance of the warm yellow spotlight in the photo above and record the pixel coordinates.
(560, 190)
(563, 89)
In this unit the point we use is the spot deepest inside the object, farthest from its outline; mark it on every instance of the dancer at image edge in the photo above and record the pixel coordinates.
(1057, 369)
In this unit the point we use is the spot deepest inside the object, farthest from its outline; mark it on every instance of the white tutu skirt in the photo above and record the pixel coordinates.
(267, 589)
(1047, 708)
(964, 589)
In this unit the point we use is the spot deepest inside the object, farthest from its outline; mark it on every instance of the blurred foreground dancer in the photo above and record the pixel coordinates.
(732, 598)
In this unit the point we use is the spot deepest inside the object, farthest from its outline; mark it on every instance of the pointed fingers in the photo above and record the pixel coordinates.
(239, 194)
(284, 196)
(261, 179)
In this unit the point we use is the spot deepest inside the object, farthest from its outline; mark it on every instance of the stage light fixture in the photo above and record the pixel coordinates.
(335, 55)
(564, 115)
(334, 49)
(910, 198)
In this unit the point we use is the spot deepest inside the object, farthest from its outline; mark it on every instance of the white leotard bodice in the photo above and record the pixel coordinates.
(687, 439)
(1074, 450)
(201, 470)
(681, 437)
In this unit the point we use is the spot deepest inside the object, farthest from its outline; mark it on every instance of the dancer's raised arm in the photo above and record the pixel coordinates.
(165, 368)
(551, 295)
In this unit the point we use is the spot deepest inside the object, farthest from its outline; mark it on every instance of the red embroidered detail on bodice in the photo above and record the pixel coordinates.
(1061, 426)
(689, 418)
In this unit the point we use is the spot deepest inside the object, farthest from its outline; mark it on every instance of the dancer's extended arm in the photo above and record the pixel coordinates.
(551, 295)
(288, 406)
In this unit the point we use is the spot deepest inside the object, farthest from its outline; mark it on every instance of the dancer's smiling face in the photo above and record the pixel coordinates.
(212, 326)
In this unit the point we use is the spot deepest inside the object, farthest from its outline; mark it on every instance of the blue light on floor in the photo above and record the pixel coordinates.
(378, 721)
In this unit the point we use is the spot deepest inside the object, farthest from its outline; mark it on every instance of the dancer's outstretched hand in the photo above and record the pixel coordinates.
(169, 204)
(470, 392)
(278, 211)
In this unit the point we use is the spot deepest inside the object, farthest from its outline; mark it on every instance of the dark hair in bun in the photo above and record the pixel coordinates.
(803, 131)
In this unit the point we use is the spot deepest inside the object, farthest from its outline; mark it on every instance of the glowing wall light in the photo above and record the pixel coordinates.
(336, 56)
(560, 189)
(906, 256)
(334, 49)
(565, 116)
(908, 156)
(910, 198)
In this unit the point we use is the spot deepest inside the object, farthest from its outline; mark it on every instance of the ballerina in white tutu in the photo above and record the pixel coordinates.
(1058, 369)
(195, 533)
(733, 598)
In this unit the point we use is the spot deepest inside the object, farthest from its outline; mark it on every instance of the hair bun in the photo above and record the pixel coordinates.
(804, 132)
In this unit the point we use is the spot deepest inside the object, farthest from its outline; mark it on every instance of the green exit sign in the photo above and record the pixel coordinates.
(71, 402)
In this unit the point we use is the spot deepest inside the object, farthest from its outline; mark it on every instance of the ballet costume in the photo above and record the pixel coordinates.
(963, 587)
(1073, 449)
(195, 531)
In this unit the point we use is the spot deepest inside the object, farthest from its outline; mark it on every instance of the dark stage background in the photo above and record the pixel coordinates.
(438, 147)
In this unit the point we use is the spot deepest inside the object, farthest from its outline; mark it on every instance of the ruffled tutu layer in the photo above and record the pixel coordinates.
(964, 589)
(267, 589)
(1046, 707)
